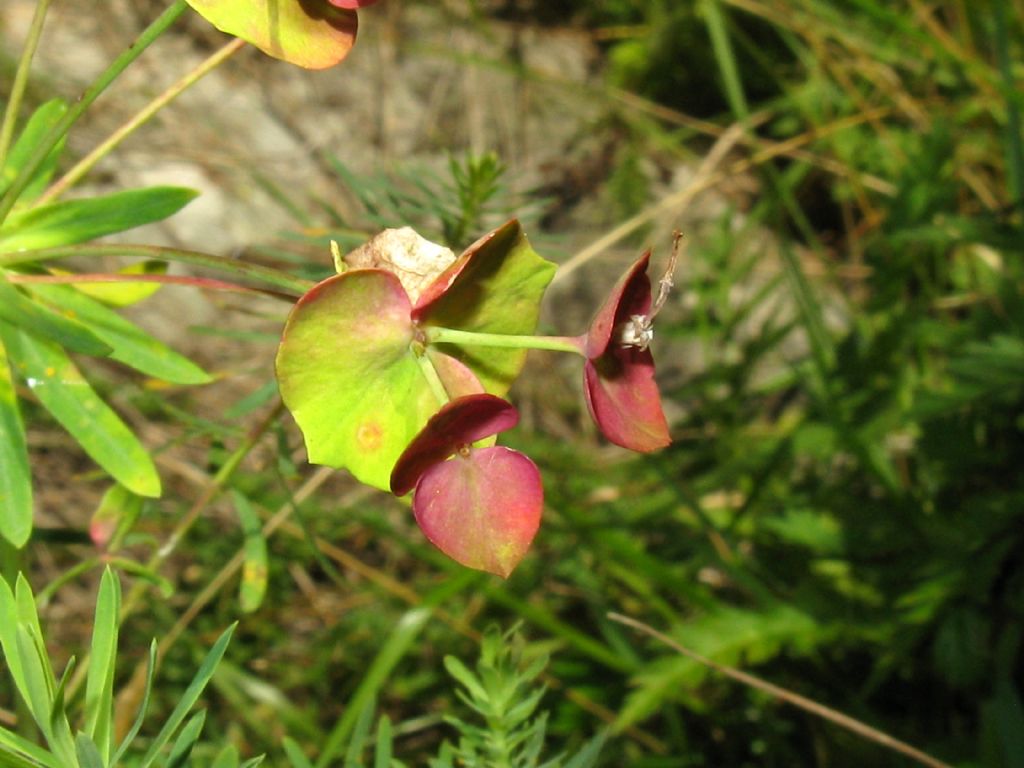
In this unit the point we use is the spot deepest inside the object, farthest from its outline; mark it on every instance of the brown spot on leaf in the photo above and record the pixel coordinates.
(369, 435)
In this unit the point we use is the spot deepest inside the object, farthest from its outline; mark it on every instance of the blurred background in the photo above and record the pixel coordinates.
(842, 363)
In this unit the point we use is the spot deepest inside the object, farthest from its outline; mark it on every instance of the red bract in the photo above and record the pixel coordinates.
(352, 4)
(480, 506)
(619, 381)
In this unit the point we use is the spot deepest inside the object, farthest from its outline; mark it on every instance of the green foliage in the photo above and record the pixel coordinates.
(841, 509)
(40, 323)
(44, 696)
(503, 697)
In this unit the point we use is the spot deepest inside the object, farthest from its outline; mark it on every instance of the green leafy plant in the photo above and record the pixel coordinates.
(503, 697)
(505, 727)
(93, 743)
(42, 321)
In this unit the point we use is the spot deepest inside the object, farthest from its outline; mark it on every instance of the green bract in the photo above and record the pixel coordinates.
(494, 287)
(310, 33)
(353, 368)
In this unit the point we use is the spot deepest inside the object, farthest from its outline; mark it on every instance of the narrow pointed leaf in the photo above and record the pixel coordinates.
(360, 734)
(482, 510)
(226, 758)
(458, 380)
(186, 741)
(39, 682)
(38, 125)
(143, 706)
(62, 390)
(40, 320)
(18, 752)
(130, 345)
(76, 221)
(189, 697)
(385, 743)
(9, 623)
(88, 754)
(99, 688)
(25, 605)
(254, 568)
(15, 477)
(495, 286)
(310, 33)
(295, 755)
(588, 754)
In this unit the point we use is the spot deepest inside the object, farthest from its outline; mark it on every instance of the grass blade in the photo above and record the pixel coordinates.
(15, 477)
(186, 741)
(382, 752)
(354, 753)
(295, 755)
(88, 754)
(189, 698)
(99, 688)
(254, 568)
(143, 705)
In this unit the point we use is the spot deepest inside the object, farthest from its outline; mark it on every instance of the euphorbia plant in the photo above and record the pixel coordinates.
(394, 369)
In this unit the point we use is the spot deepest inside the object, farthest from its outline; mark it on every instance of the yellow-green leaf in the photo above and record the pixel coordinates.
(254, 568)
(311, 33)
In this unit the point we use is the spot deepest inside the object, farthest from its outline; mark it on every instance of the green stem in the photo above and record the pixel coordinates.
(84, 165)
(57, 132)
(572, 344)
(430, 374)
(35, 31)
(220, 263)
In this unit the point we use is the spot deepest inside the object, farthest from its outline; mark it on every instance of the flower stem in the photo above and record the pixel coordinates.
(35, 31)
(84, 165)
(572, 344)
(430, 374)
(57, 132)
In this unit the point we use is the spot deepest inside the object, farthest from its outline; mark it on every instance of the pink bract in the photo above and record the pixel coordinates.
(482, 509)
(480, 506)
(352, 4)
(621, 393)
(458, 423)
